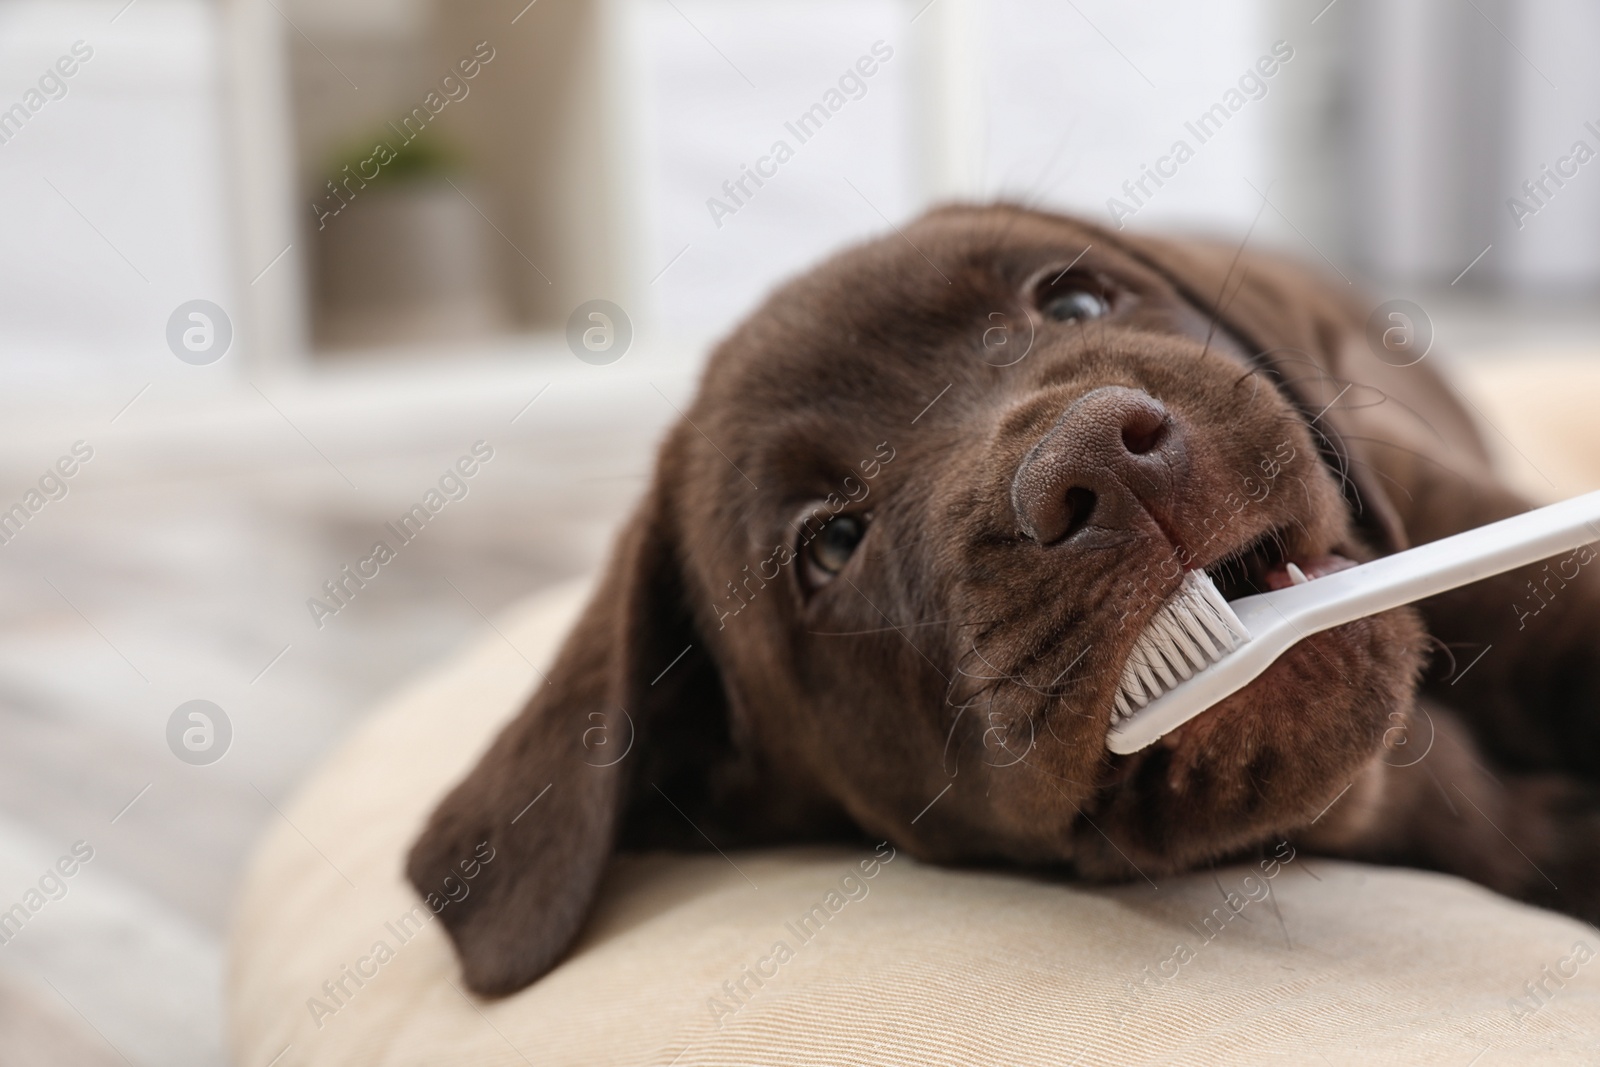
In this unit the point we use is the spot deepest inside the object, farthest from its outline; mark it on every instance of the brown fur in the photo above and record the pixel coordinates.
(950, 689)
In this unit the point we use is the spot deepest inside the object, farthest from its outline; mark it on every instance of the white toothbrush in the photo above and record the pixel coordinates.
(1199, 648)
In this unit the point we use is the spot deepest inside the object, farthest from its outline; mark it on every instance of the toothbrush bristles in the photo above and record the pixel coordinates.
(1193, 630)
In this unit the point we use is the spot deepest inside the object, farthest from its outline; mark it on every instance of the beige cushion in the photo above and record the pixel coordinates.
(1538, 415)
(1340, 964)
(924, 966)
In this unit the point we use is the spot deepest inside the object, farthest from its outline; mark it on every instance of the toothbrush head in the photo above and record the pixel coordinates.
(1194, 629)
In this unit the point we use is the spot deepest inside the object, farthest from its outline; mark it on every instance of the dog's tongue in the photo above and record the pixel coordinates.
(1280, 577)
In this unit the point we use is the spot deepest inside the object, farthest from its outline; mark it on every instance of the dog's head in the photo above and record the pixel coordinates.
(895, 557)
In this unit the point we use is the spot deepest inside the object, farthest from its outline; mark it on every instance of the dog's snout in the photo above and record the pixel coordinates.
(1113, 453)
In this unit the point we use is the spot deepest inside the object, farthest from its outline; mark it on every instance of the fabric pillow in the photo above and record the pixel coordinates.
(832, 956)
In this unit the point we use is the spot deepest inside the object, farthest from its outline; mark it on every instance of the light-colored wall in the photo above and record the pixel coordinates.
(116, 196)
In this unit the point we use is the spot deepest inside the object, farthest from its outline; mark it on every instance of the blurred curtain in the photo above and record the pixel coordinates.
(1453, 106)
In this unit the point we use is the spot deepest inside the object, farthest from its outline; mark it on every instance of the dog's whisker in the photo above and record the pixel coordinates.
(1432, 461)
(1253, 376)
(1002, 672)
(1304, 488)
(1340, 457)
(1430, 640)
(1218, 305)
(963, 672)
(944, 760)
(1003, 675)
(877, 630)
(1049, 722)
(1380, 473)
(1299, 523)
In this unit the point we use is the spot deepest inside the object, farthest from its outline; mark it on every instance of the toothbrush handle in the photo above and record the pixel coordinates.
(1445, 564)
(1279, 619)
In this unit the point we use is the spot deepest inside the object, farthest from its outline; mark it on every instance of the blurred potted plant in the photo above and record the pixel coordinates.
(401, 254)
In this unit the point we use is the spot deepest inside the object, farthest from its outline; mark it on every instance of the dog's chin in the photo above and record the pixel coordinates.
(1332, 688)
(1302, 728)
(1265, 761)
(1273, 754)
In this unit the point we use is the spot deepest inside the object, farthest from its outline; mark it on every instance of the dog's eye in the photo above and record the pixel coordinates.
(1075, 306)
(828, 552)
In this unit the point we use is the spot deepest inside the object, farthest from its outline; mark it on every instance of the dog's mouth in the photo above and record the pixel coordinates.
(1194, 628)
(1269, 562)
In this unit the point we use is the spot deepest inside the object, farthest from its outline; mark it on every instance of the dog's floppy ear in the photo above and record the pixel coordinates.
(632, 701)
(1294, 325)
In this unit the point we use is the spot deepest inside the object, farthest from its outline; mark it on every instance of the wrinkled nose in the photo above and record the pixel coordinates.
(1115, 454)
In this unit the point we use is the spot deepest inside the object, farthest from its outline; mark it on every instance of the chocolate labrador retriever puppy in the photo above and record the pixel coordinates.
(895, 555)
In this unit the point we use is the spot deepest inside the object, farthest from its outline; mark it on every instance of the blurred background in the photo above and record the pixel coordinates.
(275, 265)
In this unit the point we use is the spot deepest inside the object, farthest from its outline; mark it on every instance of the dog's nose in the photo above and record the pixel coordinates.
(1113, 453)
